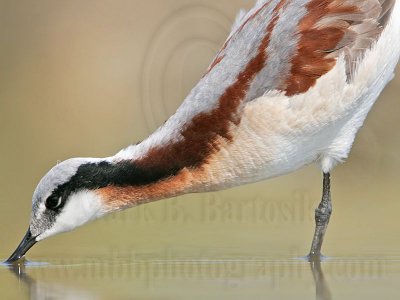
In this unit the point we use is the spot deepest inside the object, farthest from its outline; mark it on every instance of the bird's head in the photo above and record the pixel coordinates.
(64, 199)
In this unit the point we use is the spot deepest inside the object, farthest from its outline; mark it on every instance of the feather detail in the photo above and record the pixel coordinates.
(330, 29)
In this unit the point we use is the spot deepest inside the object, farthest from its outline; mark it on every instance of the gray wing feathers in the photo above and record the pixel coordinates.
(387, 7)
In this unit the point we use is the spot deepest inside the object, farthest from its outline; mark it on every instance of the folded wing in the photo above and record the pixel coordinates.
(332, 28)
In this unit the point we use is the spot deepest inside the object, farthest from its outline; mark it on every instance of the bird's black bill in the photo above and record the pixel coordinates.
(27, 242)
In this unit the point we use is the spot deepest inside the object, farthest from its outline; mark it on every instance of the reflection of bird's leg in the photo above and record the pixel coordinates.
(322, 216)
(321, 286)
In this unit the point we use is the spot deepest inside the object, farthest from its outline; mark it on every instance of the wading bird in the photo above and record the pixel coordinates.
(291, 86)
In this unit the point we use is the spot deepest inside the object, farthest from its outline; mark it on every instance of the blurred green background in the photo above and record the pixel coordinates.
(87, 78)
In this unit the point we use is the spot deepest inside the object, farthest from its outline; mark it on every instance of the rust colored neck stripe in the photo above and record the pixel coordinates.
(201, 138)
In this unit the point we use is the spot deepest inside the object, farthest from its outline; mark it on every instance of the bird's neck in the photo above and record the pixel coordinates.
(146, 177)
(179, 157)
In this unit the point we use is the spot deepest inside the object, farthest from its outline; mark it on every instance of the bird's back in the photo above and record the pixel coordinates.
(291, 85)
(297, 42)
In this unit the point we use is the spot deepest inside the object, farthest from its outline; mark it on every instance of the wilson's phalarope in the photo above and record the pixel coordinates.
(291, 86)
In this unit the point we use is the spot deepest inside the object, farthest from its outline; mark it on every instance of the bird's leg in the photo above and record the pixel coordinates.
(322, 216)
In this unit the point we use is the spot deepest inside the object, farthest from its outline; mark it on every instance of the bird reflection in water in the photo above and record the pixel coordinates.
(39, 290)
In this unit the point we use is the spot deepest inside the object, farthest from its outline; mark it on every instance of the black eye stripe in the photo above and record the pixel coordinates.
(92, 176)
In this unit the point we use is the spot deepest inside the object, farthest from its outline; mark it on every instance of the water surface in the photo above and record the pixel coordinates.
(185, 278)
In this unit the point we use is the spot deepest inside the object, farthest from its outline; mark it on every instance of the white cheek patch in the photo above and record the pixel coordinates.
(81, 207)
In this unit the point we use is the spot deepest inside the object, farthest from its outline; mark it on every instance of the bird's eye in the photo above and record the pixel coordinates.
(53, 202)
